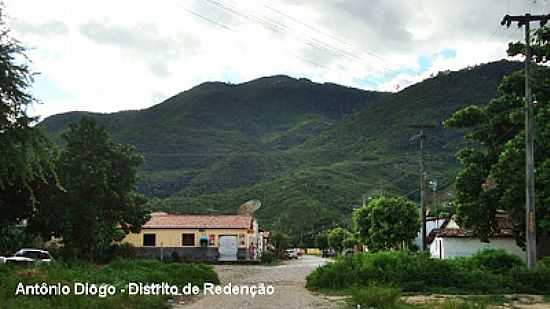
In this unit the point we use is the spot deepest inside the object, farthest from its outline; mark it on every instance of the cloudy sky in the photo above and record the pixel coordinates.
(106, 56)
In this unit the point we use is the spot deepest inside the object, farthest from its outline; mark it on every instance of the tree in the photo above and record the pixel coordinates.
(26, 155)
(336, 237)
(98, 205)
(280, 242)
(321, 240)
(387, 222)
(350, 241)
(492, 175)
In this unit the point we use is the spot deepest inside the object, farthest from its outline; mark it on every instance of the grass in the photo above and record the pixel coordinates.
(489, 272)
(118, 274)
(388, 298)
(376, 296)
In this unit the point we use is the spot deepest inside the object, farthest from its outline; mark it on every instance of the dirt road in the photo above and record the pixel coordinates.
(287, 279)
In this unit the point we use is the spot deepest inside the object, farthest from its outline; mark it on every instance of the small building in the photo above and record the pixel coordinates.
(431, 224)
(450, 240)
(198, 237)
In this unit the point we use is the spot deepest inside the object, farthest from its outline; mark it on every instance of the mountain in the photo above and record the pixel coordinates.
(309, 151)
(218, 135)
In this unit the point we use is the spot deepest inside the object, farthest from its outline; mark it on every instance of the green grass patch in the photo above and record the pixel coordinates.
(118, 274)
(375, 296)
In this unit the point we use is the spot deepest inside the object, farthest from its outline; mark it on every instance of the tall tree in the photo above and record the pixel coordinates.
(26, 155)
(492, 176)
(99, 204)
(25, 152)
(387, 222)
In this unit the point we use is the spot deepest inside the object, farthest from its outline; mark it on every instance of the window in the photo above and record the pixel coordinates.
(187, 239)
(149, 240)
(31, 254)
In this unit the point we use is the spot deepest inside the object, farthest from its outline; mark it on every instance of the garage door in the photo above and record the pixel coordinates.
(228, 248)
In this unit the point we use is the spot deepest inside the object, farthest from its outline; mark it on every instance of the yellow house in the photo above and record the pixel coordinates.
(198, 237)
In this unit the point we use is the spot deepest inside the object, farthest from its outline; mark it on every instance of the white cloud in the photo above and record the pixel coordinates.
(106, 56)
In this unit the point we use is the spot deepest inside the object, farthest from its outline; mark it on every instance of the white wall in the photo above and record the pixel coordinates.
(464, 246)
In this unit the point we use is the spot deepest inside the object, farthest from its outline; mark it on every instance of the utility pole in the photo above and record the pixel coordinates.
(423, 176)
(433, 183)
(531, 232)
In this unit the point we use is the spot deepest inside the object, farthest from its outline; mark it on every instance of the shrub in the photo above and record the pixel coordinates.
(267, 257)
(118, 273)
(544, 263)
(536, 282)
(496, 261)
(375, 296)
(486, 272)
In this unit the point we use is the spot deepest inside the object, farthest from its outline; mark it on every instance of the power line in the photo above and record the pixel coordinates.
(233, 30)
(320, 31)
(276, 27)
(206, 19)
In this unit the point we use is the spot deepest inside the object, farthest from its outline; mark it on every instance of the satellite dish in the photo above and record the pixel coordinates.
(250, 207)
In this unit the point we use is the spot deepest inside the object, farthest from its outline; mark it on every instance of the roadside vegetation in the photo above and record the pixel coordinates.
(117, 273)
(488, 272)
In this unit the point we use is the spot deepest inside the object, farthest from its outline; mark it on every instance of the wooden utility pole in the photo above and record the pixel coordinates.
(423, 176)
(531, 231)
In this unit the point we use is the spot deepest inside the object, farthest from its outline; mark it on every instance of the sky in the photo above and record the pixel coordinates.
(107, 56)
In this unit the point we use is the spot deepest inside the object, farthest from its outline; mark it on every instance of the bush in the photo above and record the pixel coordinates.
(544, 263)
(375, 296)
(486, 272)
(496, 261)
(267, 257)
(118, 273)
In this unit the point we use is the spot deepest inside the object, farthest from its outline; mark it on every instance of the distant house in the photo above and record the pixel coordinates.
(449, 240)
(431, 224)
(199, 237)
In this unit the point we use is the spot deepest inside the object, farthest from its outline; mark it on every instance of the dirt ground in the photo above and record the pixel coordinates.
(288, 280)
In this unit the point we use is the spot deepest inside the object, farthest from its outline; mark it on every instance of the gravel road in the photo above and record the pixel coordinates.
(287, 279)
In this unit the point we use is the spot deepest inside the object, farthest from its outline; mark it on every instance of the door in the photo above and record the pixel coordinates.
(228, 248)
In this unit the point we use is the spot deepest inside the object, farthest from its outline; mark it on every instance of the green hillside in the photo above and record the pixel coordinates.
(218, 135)
(309, 151)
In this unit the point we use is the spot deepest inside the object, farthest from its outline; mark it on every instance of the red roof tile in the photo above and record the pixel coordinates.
(167, 221)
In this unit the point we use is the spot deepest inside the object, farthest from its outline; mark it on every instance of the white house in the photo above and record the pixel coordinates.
(431, 224)
(450, 240)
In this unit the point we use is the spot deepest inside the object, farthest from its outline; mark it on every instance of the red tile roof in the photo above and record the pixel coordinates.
(504, 226)
(446, 232)
(169, 221)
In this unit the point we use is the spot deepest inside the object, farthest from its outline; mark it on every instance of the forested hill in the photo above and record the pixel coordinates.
(309, 151)
(215, 125)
